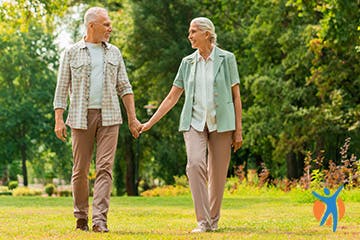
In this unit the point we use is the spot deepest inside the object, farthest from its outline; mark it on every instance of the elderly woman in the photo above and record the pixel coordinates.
(210, 120)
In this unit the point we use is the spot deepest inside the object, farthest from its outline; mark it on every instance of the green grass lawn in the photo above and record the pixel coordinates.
(243, 217)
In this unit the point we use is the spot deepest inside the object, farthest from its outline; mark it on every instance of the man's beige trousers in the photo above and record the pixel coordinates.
(208, 157)
(83, 142)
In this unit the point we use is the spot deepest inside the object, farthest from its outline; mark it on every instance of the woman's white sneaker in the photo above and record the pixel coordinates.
(201, 228)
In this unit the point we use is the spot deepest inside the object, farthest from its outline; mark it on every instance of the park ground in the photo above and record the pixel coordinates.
(244, 216)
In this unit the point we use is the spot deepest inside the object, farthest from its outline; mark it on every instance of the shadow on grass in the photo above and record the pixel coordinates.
(315, 232)
(240, 232)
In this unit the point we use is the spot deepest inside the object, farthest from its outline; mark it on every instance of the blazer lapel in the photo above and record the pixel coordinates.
(192, 62)
(218, 59)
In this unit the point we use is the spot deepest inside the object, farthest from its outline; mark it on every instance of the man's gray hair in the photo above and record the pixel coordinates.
(91, 14)
(206, 24)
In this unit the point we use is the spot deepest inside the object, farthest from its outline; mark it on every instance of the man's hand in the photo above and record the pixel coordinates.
(60, 127)
(135, 127)
(60, 130)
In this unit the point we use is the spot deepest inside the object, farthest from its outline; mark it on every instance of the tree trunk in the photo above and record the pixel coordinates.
(300, 164)
(131, 169)
(23, 161)
(295, 165)
(5, 176)
(118, 176)
(291, 165)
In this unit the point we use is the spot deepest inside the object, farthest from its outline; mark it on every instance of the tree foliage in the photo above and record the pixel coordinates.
(298, 62)
(27, 79)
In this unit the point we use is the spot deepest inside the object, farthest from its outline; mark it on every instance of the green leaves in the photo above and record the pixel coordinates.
(27, 82)
(298, 61)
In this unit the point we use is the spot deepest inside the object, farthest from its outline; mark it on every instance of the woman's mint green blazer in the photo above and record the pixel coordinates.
(226, 76)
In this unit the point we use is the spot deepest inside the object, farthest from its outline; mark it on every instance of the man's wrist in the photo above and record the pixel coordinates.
(59, 121)
(130, 120)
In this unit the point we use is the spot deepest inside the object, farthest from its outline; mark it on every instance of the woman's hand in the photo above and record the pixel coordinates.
(237, 140)
(145, 127)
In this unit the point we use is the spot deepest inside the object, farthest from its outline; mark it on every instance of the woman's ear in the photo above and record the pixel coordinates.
(207, 35)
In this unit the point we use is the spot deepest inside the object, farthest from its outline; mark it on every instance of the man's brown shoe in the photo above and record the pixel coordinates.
(82, 224)
(100, 227)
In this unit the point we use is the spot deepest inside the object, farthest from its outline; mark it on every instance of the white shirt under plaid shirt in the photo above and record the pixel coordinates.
(74, 79)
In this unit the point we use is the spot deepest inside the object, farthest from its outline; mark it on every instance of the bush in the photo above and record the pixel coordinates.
(232, 184)
(316, 174)
(167, 190)
(352, 195)
(65, 193)
(12, 185)
(50, 189)
(25, 191)
(4, 191)
(181, 181)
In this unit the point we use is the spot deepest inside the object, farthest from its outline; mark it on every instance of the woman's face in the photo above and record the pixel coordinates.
(197, 37)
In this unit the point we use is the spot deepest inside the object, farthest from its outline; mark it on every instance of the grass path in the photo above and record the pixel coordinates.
(243, 217)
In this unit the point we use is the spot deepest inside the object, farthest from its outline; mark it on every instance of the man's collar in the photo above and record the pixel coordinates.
(83, 44)
(106, 45)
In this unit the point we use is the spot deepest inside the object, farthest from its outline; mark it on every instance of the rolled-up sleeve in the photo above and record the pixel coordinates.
(179, 78)
(123, 85)
(63, 83)
(234, 74)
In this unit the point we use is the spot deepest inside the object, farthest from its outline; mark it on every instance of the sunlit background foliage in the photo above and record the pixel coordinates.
(298, 64)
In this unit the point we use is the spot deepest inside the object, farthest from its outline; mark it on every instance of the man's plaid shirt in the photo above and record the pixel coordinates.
(74, 79)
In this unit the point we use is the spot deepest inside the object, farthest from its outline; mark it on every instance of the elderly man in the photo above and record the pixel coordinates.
(93, 73)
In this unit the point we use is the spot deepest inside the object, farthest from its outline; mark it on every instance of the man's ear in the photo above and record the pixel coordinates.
(91, 25)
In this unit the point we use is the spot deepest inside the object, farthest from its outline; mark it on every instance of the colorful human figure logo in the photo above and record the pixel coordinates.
(329, 205)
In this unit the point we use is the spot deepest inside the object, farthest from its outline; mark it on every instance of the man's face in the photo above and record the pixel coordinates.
(102, 28)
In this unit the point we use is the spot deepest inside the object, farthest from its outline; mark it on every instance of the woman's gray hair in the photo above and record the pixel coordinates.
(206, 24)
(92, 13)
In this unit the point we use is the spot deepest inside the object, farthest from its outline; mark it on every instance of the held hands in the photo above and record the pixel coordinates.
(145, 127)
(135, 127)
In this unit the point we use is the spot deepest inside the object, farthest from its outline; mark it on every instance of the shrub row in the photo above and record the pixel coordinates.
(316, 176)
(49, 189)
